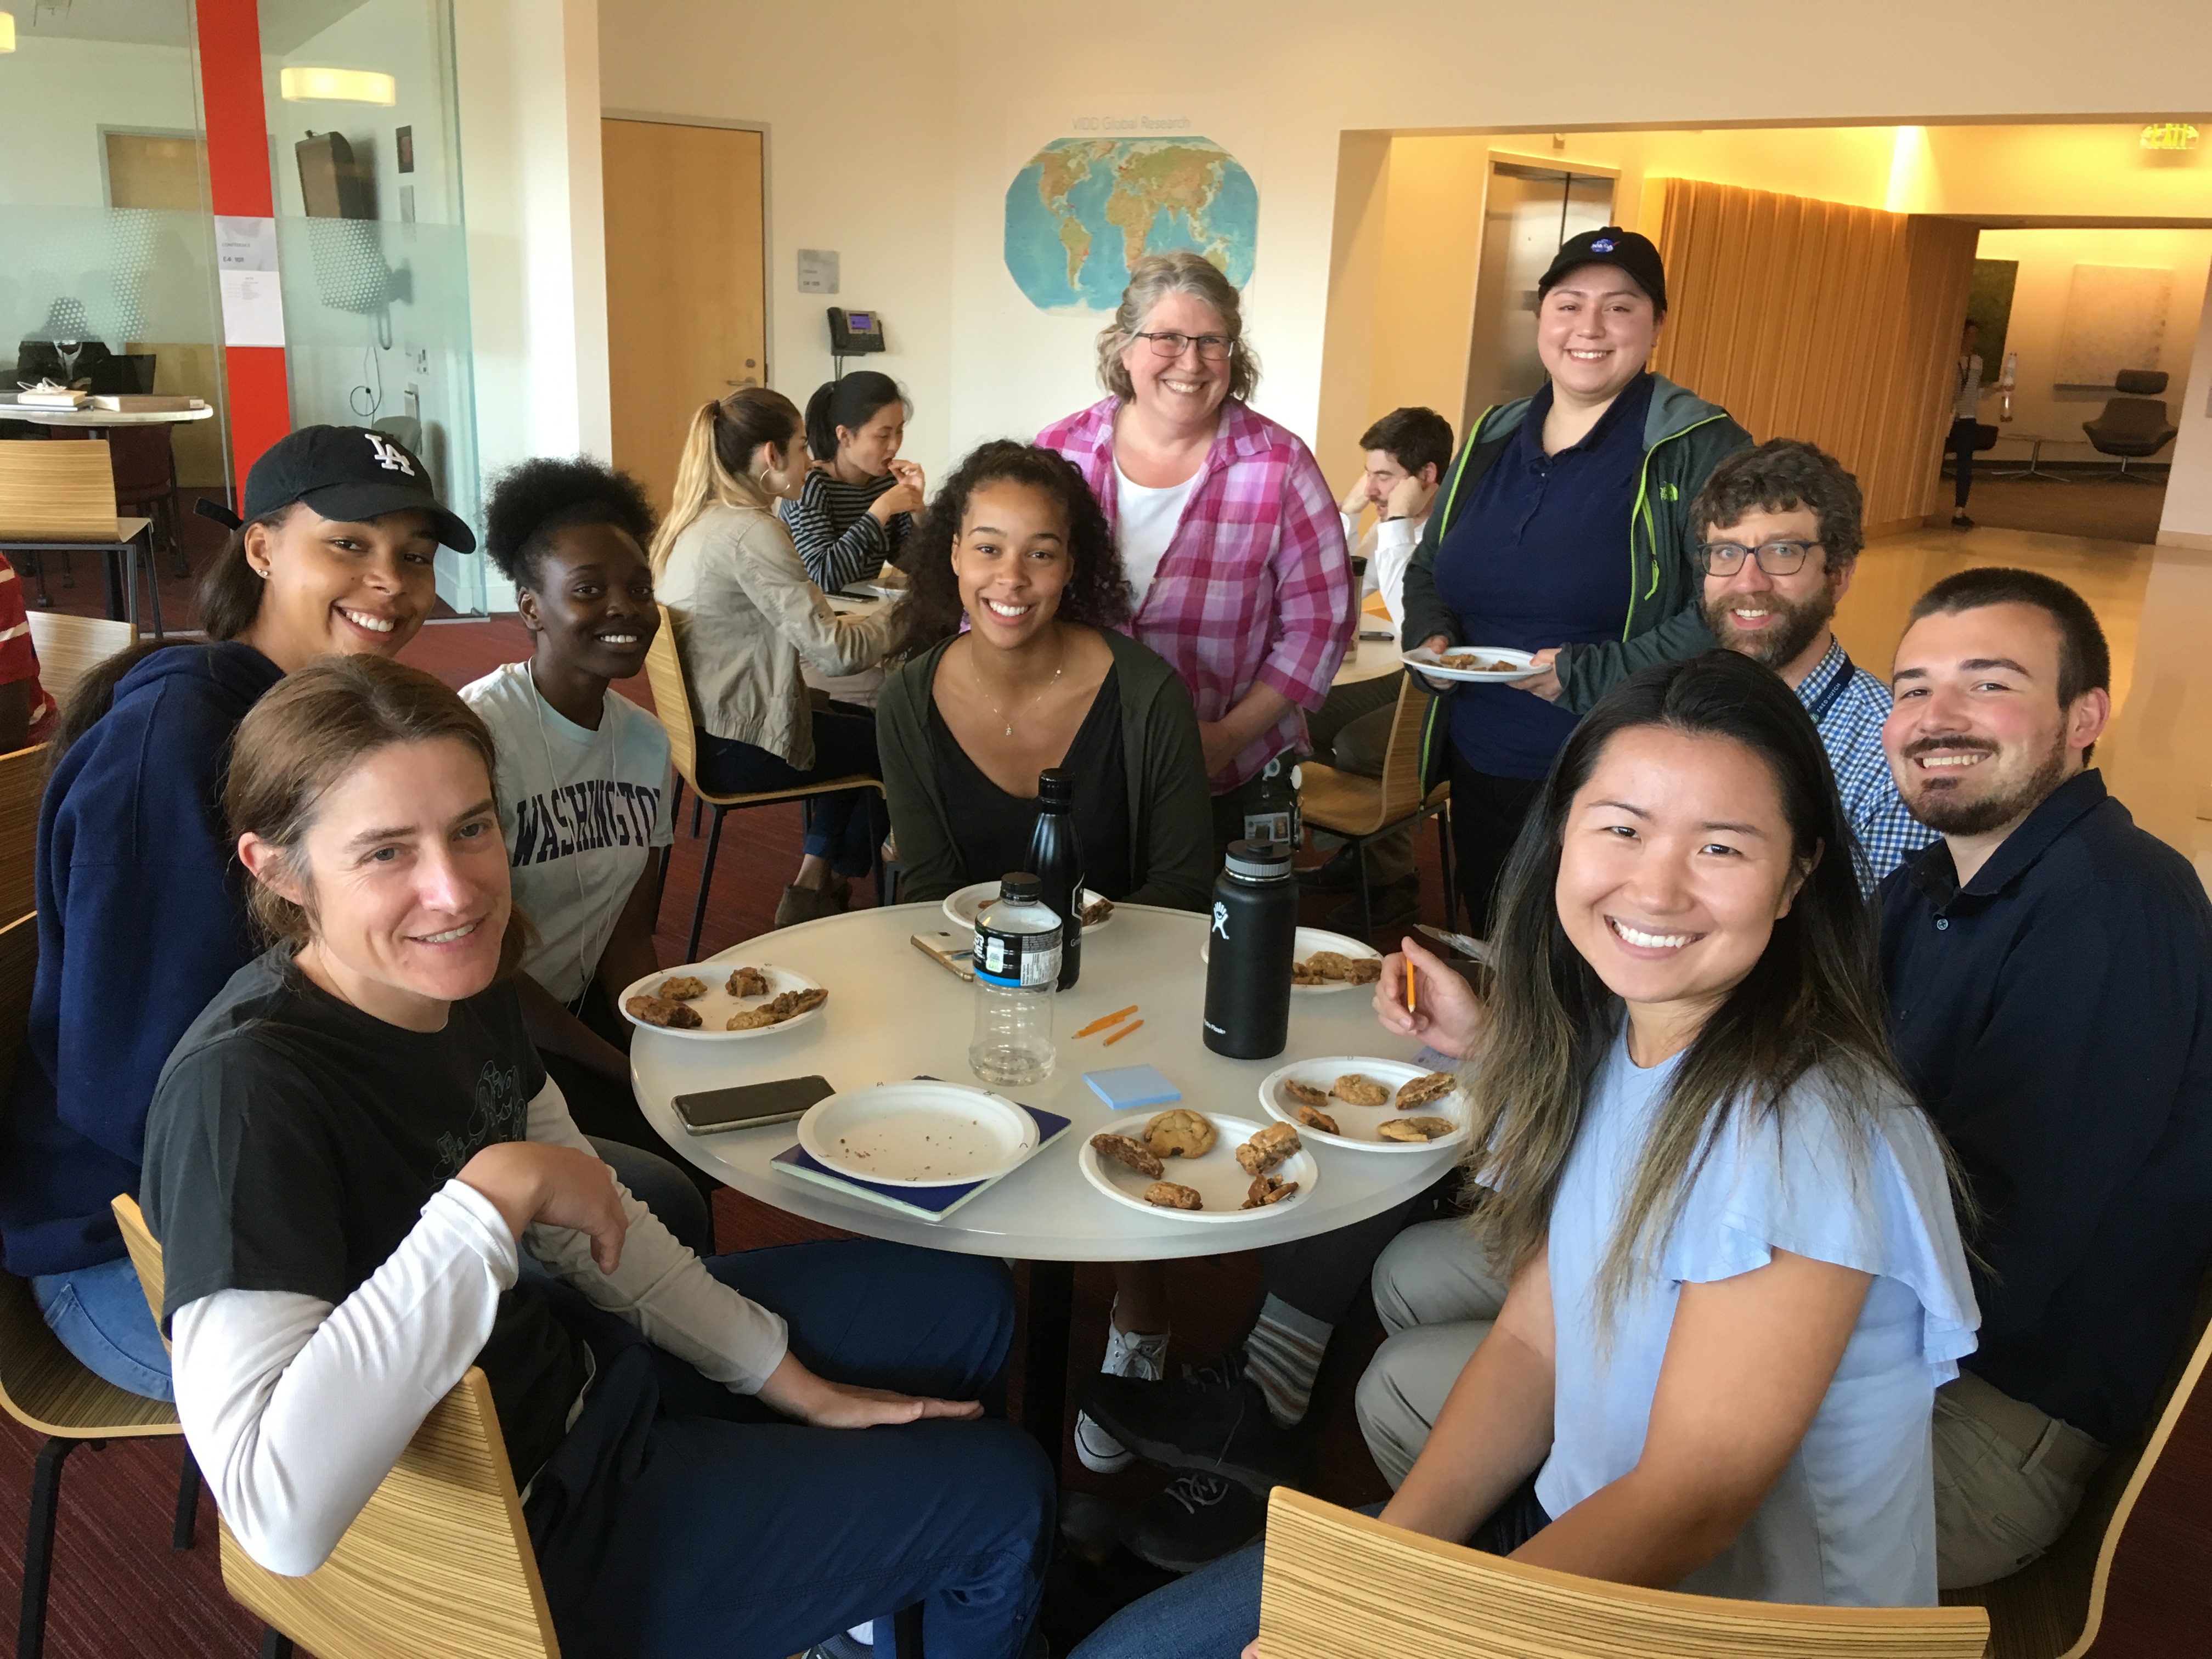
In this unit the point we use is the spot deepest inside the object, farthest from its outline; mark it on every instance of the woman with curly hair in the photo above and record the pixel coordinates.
(1040, 677)
(584, 803)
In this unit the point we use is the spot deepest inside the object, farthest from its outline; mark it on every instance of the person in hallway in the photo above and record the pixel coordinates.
(1778, 539)
(27, 715)
(354, 1148)
(1016, 547)
(1230, 540)
(584, 802)
(1527, 549)
(1234, 554)
(747, 616)
(1964, 434)
(857, 504)
(1708, 1186)
(1405, 451)
(2049, 966)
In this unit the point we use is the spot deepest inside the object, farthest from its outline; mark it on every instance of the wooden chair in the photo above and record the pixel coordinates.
(671, 702)
(2126, 1579)
(22, 783)
(60, 498)
(1355, 808)
(1337, 1585)
(438, 1566)
(70, 647)
(42, 1385)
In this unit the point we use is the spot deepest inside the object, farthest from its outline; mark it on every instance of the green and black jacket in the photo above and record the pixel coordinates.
(1685, 438)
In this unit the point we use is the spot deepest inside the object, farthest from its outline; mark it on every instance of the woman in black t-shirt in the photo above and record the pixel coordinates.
(347, 1152)
(1016, 548)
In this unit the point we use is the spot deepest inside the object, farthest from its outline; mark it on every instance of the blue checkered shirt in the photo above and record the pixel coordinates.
(1848, 705)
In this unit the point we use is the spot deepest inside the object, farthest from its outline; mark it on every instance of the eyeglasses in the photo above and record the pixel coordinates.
(1211, 348)
(1775, 558)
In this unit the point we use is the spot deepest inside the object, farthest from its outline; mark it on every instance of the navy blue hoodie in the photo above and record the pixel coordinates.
(141, 919)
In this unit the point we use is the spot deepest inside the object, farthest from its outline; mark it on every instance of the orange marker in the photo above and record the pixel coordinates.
(1105, 1020)
(1123, 1032)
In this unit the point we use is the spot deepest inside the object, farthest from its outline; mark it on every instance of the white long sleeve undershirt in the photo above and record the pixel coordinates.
(296, 1410)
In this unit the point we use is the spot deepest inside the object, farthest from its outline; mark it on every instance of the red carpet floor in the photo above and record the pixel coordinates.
(120, 1593)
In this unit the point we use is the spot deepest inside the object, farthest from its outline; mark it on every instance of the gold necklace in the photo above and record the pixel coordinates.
(998, 714)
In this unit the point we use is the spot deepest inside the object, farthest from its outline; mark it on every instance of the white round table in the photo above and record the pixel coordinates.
(99, 420)
(893, 1013)
(1373, 660)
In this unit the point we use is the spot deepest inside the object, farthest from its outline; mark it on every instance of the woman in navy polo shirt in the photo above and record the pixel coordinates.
(1525, 549)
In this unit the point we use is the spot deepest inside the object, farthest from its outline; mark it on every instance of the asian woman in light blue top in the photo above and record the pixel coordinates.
(1735, 1275)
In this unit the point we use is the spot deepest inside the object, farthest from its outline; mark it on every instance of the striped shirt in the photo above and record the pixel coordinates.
(1848, 705)
(1255, 588)
(19, 659)
(839, 541)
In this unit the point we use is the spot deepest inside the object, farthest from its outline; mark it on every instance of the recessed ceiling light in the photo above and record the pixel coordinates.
(338, 86)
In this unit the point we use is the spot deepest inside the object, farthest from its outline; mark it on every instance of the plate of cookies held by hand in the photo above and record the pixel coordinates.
(723, 1000)
(1200, 1166)
(1369, 1105)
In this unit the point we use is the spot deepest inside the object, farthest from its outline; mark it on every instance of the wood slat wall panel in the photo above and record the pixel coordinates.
(1815, 319)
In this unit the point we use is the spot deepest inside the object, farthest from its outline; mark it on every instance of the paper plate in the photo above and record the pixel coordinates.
(961, 907)
(1218, 1178)
(917, 1134)
(716, 1007)
(1311, 939)
(1358, 1123)
(1519, 665)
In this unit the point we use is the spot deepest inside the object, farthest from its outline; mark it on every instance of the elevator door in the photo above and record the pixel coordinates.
(1527, 213)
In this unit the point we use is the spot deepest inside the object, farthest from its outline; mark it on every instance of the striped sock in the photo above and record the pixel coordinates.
(1283, 1355)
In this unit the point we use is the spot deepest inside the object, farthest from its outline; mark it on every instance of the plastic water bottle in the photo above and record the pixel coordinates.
(1251, 941)
(1016, 963)
(1056, 855)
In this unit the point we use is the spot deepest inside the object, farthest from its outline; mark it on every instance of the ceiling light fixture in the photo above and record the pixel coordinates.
(338, 86)
(7, 31)
(2169, 135)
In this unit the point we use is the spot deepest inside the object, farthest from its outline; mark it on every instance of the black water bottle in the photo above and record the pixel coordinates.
(1251, 941)
(1056, 856)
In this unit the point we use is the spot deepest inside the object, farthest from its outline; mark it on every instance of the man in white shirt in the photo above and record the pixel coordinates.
(1405, 451)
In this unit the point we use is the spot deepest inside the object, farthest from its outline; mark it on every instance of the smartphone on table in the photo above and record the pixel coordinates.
(747, 1105)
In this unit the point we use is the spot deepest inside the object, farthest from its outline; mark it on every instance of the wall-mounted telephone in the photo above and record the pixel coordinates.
(852, 333)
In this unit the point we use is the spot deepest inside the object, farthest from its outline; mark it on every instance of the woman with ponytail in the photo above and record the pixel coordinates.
(856, 505)
(747, 618)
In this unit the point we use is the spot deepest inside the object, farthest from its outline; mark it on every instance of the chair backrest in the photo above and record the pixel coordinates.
(2139, 382)
(437, 1564)
(23, 781)
(1402, 758)
(671, 699)
(1337, 1585)
(56, 492)
(2130, 418)
(70, 647)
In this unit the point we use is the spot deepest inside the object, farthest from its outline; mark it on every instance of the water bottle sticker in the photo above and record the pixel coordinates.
(1221, 921)
(1268, 826)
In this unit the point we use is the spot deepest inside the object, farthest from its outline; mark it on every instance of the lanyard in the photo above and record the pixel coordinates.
(1835, 691)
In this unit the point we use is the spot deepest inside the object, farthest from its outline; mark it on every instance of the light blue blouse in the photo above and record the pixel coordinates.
(1851, 1522)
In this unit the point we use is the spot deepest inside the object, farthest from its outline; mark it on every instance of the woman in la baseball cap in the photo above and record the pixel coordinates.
(142, 913)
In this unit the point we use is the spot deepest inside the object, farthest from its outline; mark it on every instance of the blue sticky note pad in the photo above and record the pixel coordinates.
(1125, 1086)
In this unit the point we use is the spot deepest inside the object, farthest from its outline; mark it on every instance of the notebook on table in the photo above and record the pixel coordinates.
(929, 1203)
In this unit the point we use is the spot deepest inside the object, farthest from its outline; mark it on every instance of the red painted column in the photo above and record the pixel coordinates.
(237, 180)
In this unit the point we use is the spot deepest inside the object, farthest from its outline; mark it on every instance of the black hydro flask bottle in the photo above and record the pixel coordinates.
(1251, 940)
(1056, 856)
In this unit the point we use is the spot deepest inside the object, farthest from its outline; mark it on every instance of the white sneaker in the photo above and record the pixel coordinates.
(1127, 1354)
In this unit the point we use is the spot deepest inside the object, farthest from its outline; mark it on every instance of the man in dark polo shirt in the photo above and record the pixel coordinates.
(2049, 968)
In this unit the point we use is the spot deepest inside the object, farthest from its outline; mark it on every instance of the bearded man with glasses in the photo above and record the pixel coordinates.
(1779, 538)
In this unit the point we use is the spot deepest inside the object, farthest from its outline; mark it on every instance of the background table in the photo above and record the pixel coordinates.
(893, 1013)
(99, 420)
(1373, 658)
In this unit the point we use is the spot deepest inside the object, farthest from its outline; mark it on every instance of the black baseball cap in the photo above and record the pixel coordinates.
(350, 472)
(1613, 245)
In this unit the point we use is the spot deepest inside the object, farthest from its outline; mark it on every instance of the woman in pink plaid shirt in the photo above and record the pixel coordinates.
(1238, 574)
(1228, 532)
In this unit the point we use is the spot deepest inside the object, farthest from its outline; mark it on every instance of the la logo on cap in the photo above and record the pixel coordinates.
(1603, 245)
(388, 457)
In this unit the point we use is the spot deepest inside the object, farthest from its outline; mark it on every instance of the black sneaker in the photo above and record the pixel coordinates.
(1214, 1420)
(1336, 873)
(1194, 1519)
(1961, 521)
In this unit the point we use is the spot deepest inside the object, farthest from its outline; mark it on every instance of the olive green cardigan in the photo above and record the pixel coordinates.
(1170, 815)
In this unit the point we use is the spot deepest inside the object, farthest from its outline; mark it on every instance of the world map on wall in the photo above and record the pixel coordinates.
(1084, 210)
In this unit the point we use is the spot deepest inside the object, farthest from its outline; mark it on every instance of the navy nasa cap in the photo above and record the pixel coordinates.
(1623, 249)
(350, 472)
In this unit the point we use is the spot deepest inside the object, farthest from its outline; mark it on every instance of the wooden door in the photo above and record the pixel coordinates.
(686, 288)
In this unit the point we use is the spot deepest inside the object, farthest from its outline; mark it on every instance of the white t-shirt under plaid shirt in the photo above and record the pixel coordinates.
(581, 811)
(1848, 705)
